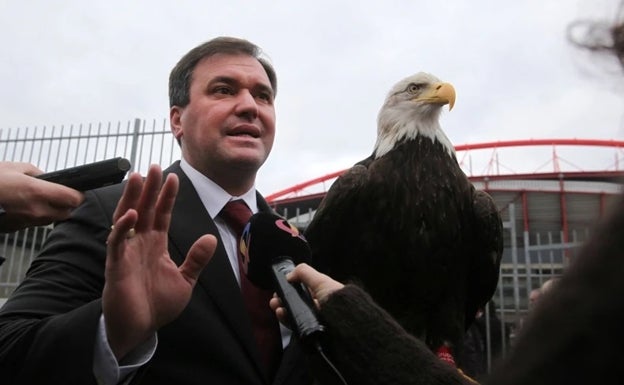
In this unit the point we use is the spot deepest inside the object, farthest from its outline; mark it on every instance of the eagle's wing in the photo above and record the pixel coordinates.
(340, 209)
(485, 264)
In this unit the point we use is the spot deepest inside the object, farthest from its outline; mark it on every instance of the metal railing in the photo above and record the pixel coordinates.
(55, 147)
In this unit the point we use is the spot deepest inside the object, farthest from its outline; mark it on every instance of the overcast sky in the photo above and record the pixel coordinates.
(516, 75)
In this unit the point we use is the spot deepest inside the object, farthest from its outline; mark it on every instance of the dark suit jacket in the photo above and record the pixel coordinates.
(48, 326)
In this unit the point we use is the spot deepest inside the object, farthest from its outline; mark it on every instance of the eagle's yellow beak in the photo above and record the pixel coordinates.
(439, 93)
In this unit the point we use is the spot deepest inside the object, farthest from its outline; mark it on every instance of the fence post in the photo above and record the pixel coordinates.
(135, 144)
(514, 259)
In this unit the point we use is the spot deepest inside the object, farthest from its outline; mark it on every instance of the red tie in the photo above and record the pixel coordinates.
(265, 325)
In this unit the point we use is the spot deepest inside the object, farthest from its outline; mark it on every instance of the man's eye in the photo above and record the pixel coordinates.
(223, 90)
(265, 96)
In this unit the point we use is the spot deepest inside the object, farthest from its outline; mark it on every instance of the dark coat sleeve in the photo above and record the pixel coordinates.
(49, 324)
(369, 347)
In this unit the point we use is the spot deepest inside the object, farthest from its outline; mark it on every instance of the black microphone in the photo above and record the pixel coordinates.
(271, 247)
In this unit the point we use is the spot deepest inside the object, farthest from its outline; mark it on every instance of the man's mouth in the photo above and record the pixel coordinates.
(245, 130)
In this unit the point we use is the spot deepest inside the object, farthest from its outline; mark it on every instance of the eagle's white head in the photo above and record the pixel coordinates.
(413, 108)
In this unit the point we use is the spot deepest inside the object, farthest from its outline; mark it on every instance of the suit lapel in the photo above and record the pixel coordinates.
(217, 278)
(292, 359)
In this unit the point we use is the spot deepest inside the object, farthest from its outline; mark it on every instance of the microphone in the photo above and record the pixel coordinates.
(271, 247)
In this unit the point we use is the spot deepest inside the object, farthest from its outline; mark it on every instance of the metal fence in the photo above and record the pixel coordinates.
(528, 261)
(55, 147)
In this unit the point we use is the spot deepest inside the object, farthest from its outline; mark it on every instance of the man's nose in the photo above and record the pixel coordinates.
(246, 104)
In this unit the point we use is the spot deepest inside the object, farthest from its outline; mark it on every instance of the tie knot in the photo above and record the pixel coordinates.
(236, 214)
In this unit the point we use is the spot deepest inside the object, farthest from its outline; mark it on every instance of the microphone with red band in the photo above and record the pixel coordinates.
(271, 247)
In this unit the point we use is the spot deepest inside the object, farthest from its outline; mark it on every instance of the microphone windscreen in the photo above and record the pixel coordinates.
(267, 238)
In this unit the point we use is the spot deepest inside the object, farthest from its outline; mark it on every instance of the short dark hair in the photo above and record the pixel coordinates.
(182, 74)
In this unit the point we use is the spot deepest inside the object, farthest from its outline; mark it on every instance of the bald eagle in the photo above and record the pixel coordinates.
(407, 224)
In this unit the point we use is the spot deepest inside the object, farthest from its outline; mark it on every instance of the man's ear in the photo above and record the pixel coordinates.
(175, 120)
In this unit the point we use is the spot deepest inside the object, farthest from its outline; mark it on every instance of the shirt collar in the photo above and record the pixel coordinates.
(212, 195)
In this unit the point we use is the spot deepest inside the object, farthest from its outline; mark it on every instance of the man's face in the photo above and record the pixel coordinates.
(229, 124)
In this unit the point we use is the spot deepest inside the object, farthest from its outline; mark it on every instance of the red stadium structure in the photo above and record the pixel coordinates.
(613, 144)
(548, 207)
(493, 180)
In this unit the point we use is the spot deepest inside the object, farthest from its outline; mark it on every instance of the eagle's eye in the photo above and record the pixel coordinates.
(414, 88)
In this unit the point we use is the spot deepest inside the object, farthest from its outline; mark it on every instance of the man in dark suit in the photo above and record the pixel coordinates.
(119, 292)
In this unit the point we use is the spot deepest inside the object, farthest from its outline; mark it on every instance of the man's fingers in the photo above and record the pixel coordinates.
(119, 233)
(149, 196)
(198, 257)
(130, 196)
(165, 203)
